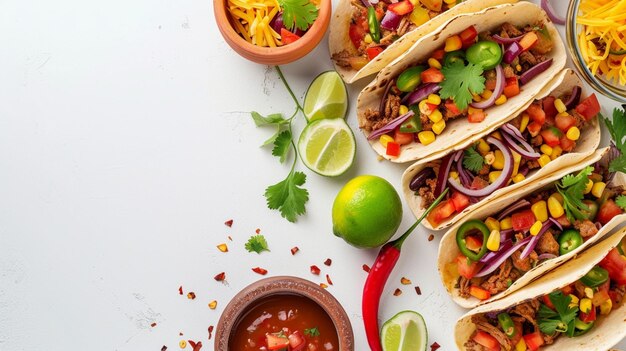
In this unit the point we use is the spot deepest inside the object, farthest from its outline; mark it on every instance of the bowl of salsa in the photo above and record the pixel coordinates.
(284, 314)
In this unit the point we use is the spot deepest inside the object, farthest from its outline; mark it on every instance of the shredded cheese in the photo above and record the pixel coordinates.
(603, 38)
(251, 19)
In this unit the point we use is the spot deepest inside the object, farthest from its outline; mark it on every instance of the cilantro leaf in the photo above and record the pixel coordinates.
(551, 321)
(621, 201)
(617, 127)
(572, 189)
(302, 12)
(618, 164)
(472, 160)
(288, 196)
(260, 120)
(460, 82)
(312, 332)
(282, 145)
(271, 139)
(256, 243)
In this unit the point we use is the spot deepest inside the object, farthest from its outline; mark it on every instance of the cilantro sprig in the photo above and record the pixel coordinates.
(617, 129)
(298, 13)
(461, 82)
(472, 160)
(572, 189)
(313, 332)
(561, 319)
(287, 196)
(256, 243)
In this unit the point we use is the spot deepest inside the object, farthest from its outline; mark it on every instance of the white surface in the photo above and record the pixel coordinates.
(125, 143)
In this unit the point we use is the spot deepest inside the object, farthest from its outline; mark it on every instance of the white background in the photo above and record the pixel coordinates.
(125, 143)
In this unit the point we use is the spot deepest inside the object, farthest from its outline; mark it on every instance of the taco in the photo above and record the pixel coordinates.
(359, 50)
(578, 306)
(558, 129)
(512, 240)
(455, 83)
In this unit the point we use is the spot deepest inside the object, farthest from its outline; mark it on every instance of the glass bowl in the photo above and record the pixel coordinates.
(610, 89)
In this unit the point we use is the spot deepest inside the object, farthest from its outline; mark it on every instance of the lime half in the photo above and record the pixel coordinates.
(326, 97)
(327, 146)
(406, 331)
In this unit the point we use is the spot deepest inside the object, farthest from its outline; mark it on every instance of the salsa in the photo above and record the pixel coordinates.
(286, 323)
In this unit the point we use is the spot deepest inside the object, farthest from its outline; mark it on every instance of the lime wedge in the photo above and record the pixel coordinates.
(327, 146)
(326, 97)
(406, 331)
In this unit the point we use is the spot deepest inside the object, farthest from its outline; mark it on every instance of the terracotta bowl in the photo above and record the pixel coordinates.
(284, 285)
(273, 56)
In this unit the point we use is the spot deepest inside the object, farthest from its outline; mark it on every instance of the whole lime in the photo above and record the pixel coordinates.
(367, 212)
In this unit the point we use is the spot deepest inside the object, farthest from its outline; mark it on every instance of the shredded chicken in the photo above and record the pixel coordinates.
(528, 311)
(501, 280)
(483, 324)
(525, 264)
(342, 58)
(547, 244)
(427, 193)
(472, 345)
(586, 228)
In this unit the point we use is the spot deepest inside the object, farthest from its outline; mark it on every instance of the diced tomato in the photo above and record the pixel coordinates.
(473, 243)
(479, 292)
(439, 54)
(523, 220)
(444, 210)
(466, 268)
(511, 87)
(599, 297)
(566, 144)
(380, 13)
(528, 40)
(476, 116)
(297, 342)
(288, 37)
(452, 108)
(567, 290)
(588, 317)
(393, 149)
(564, 222)
(551, 136)
(589, 107)
(373, 51)
(478, 183)
(485, 339)
(535, 112)
(548, 106)
(534, 128)
(356, 33)
(275, 342)
(564, 122)
(459, 201)
(533, 341)
(401, 8)
(615, 264)
(402, 138)
(468, 36)
(432, 75)
(607, 211)
(546, 301)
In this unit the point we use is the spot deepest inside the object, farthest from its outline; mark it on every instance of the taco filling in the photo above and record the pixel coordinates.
(547, 129)
(571, 311)
(472, 72)
(498, 250)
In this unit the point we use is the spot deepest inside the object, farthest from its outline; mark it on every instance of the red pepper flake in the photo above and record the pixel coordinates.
(434, 346)
(229, 238)
(366, 268)
(191, 295)
(405, 281)
(195, 345)
(180, 290)
(229, 223)
(431, 237)
(258, 231)
(164, 348)
(259, 270)
(153, 325)
(294, 250)
(210, 332)
(220, 277)
(180, 333)
(328, 262)
(324, 286)
(330, 282)
(398, 292)
(315, 270)
(418, 290)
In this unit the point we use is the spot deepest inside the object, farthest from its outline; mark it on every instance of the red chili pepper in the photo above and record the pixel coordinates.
(378, 276)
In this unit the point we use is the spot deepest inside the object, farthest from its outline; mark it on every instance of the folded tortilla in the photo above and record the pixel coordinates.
(563, 83)
(448, 249)
(460, 130)
(607, 331)
(339, 40)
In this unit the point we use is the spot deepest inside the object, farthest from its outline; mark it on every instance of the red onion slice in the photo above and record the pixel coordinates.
(523, 203)
(502, 40)
(547, 6)
(500, 258)
(464, 176)
(536, 70)
(512, 52)
(512, 130)
(366, 3)
(444, 171)
(391, 126)
(497, 91)
(391, 21)
(505, 245)
(558, 225)
(574, 98)
(535, 239)
(420, 93)
(546, 256)
(525, 149)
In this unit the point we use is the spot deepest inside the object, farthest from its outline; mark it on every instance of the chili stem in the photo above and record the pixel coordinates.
(398, 242)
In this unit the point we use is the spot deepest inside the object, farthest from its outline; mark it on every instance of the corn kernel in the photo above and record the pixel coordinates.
(517, 159)
(453, 43)
(524, 122)
(589, 293)
(471, 110)
(556, 152)
(182, 344)
(563, 114)
(489, 158)
(574, 302)
(426, 137)
(544, 160)
(476, 97)
(435, 116)
(432, 62)
(555, 207)
(535, 228)
(506, 223)
(606, 307)
(497, 135)
(560, 106)
(501, 100)
(585, 305)
(434, 99)
(558, 196)
(546, 149)
(385, 139)
(493, 242)
(367, 39)
(540, 210)
(415, 2)
(493, 176)
(439, 126)
(492, 223)
(598, 189)
(498, 163)
(518, 178)
(486, 94)
(454, 175)
(588, 187)
(521, 345)
(483, 147)
(424, 108)
(518, 67)
(403, 110)
(573, 133)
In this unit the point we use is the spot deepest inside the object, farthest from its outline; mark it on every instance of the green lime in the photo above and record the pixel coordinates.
(406, 331)
(367, 212)
(327, 146)
(326, 97)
